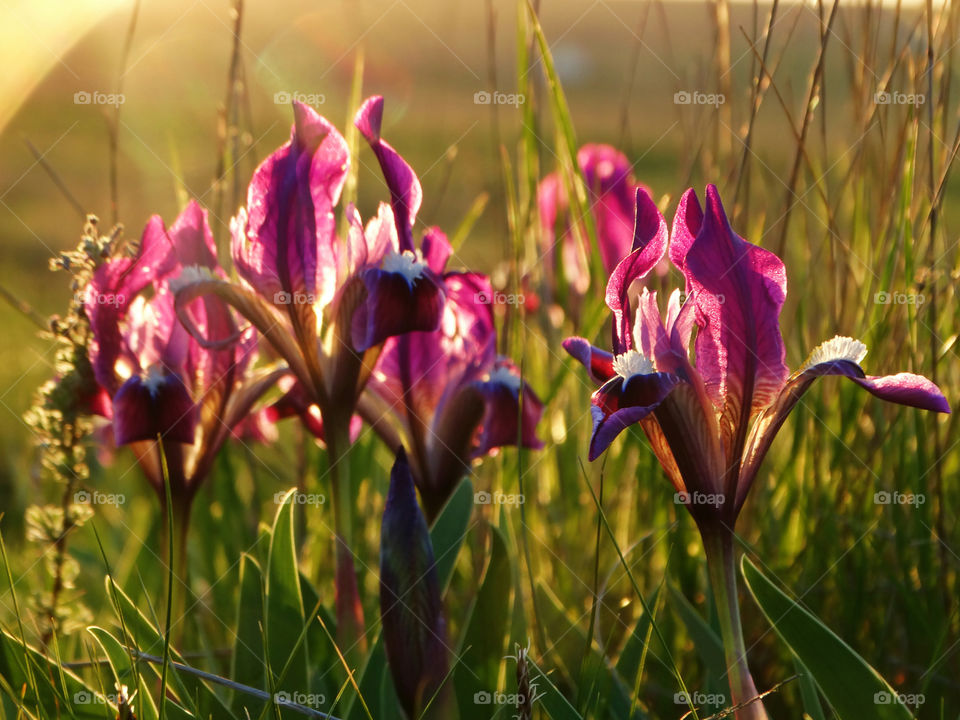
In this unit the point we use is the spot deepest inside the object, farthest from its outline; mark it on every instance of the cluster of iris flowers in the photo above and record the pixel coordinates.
(372, 327)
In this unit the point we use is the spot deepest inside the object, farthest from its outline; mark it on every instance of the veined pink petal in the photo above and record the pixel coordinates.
(686, 227)
(905, 389)
(405, 192)
(649, 245)
(285, 241)
(113, 288)
(739, 290)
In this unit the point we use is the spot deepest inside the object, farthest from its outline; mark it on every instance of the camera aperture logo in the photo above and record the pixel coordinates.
(310, 700)
(898, 298)
(282, 297)
(885, 697)
(499, 298)
(700, 699)
(884, 97)
(699, 498)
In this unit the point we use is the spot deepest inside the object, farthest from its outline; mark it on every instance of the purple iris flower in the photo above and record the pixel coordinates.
(611, 188)
(711, 420)
(454, 398)
(156, 379)
(327, 304)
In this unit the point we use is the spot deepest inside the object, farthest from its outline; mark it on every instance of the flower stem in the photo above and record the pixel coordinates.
(350, 636)
(721, 564)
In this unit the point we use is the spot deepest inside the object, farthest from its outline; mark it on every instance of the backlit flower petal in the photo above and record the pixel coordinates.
(739, 290)
(649, 245)
(405, 192)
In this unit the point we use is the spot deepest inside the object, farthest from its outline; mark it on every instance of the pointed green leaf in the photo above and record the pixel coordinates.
(852, 687)
(124, 673)
(247, 666)
(284, 605)
(484, 642)
(449, 530)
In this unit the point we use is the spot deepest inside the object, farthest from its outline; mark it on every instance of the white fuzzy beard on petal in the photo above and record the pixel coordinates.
(407, 263)
(504, 376)
(630, 364)
(837, 348)
(189, 275)
(154, 379)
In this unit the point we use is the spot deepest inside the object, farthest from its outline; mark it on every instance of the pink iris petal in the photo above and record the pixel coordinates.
(611, 191)
(113, 288)
(599, 363)
(649, 246)
(425, 368)
(405, 192)
(739, 292)
(906, 389)
(287, 242)
(436, 249)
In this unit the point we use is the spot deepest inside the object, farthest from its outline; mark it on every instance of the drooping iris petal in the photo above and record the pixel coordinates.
(407, 299)
(838, 356)
(599, 363)
(739, 290)
(423, 368)
(502, 421)
(411, 610)
(623, 401)
(405, 192)
(649, 246)
(158, 404)
(284, 242)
